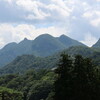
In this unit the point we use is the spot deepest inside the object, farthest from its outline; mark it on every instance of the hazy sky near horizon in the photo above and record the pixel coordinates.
(78, 19)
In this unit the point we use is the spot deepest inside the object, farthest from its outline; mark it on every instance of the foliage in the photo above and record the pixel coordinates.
(33, 84)
(9, 94)
(75, 78)
(78, 79)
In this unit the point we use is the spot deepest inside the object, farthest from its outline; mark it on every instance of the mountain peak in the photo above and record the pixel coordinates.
(68, 42)
(25, 39)
(63, 36)
(45, 35)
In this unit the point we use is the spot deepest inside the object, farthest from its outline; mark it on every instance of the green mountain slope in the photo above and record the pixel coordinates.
(44, 45)
(25, 62)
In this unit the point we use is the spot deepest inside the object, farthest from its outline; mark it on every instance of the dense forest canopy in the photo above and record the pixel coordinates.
(74, 78)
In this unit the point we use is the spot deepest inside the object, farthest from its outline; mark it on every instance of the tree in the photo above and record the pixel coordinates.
(77, 79)
(85, 81)
(62, 84)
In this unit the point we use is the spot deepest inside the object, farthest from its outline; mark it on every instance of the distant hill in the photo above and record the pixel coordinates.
(97, 44)
(44, 45)
(25, 62)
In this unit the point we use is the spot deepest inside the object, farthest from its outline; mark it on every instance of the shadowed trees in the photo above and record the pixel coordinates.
(77, 79)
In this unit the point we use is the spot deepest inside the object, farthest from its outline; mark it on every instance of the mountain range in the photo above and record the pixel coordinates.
(44, 45)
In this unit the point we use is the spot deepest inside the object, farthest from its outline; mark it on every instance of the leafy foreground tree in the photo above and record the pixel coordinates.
(77, 79)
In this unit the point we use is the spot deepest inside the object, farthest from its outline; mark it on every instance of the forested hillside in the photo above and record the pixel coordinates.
(25, 62)
(33, 85)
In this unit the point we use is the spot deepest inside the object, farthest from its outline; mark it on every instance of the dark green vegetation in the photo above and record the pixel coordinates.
(9, 94)
(77, 79)
(34, 85)
(25, 62)
(43, 45)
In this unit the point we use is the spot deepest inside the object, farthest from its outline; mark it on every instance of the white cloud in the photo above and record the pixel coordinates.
(33, 7)
(29, 5)
(89, 39)
(56, 10)
(98, 0)
(86, 6)
(34, 17)
(40, 10)
(88, 14)
(93, 16)
(40, 16)
(96, 22)
(9, 1)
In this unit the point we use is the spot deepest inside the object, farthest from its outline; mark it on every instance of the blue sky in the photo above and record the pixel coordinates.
(78, 19)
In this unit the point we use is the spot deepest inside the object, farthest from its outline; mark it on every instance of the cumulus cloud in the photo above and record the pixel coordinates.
(93, 17)
(32, 7)
(30, 18)
(35, 9)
